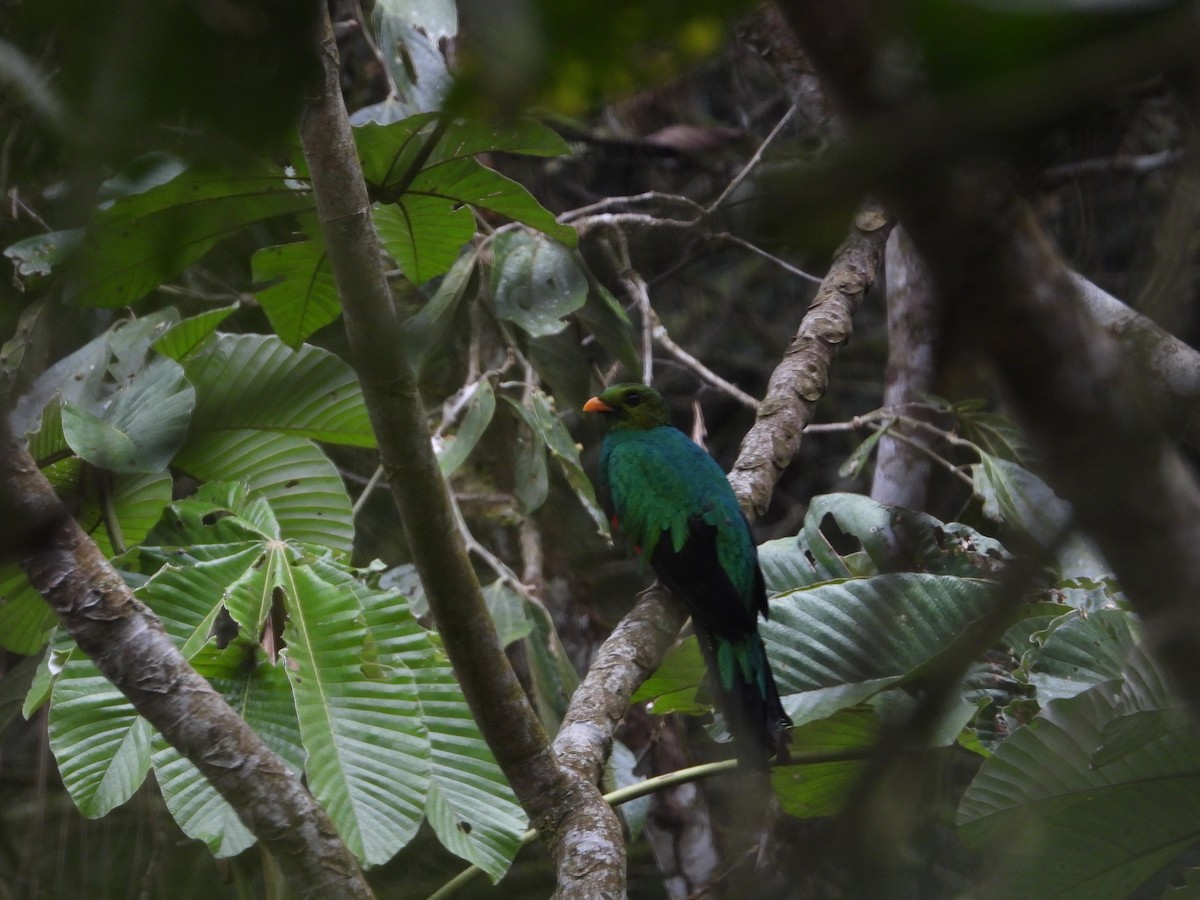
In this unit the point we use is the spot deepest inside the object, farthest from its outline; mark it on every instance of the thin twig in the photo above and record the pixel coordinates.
(753, 161)
(659, 332)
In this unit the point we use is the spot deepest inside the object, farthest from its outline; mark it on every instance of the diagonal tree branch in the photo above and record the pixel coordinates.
(800, 379)
(131, 649)
(567, 810)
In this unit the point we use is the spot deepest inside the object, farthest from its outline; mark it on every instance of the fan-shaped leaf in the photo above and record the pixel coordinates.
(306, 494)
(356, 701)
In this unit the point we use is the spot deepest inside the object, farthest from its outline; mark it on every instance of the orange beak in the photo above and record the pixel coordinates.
(596, 405)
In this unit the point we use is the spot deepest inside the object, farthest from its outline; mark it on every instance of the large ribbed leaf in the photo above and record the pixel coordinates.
(256, 381)
(821, 789)
(868, 632)
(1062, 814)
(195, 805)
(356, 699)
(102, 746)
(423, 234)
(307, 496)
(183, 337)
(1081, 650)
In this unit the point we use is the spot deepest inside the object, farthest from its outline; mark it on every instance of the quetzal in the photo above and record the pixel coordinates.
(672, 503)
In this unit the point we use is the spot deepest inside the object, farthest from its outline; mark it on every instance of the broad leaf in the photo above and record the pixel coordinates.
(142, 240)
(426, 332)
(1016, 497)
(302, 297)
(102, 746)
(821, 789)
(351, 669)
(867, 631)
(194, 804)
(120, 510)
(424, 235)
(256, 381)
(553, 434)
(1064, 819)
(26, 620)
(536, 282)
(307, 495)
(178, 341)
(141, 427)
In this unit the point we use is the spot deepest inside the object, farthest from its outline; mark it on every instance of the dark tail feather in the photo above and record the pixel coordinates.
(749, 699)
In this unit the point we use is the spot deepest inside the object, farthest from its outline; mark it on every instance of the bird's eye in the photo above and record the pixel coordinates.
(633, 400)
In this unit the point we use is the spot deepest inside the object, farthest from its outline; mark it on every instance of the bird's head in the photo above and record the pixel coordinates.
(632, 406)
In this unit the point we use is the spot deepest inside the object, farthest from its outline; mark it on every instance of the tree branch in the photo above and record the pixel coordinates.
(901, 468)
(582, 831)
(800, 379)
(130, 647)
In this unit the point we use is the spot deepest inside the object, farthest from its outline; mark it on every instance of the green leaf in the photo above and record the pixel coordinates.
(42, 253)
(101, 745)
(424, 235)
(144, 239)
(178, 341)
(388, 151)
(426, 332)
(26, 620)
(351, 671)
(121, 512)
(1014, 496)
(821, 789)
(142, 428)
(507, 608)
(257, 381)
(535, 282)
(1055, 823)
(673, 687)
(603, 316)
(303, 297)
(1081, 651)
(467, 181)
(261, 694)
(15, 687)
(550, 431)
(306, 494)
(470, 805)
(870, 632)
(481, 406)
(194, 804)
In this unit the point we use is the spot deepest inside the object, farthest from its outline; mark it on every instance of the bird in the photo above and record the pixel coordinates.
(671, 501)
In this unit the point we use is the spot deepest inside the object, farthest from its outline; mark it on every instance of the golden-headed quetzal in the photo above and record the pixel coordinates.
(672, 503)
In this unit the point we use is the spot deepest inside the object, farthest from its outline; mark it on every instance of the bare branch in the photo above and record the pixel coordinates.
(901, 469)
(800, 379)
